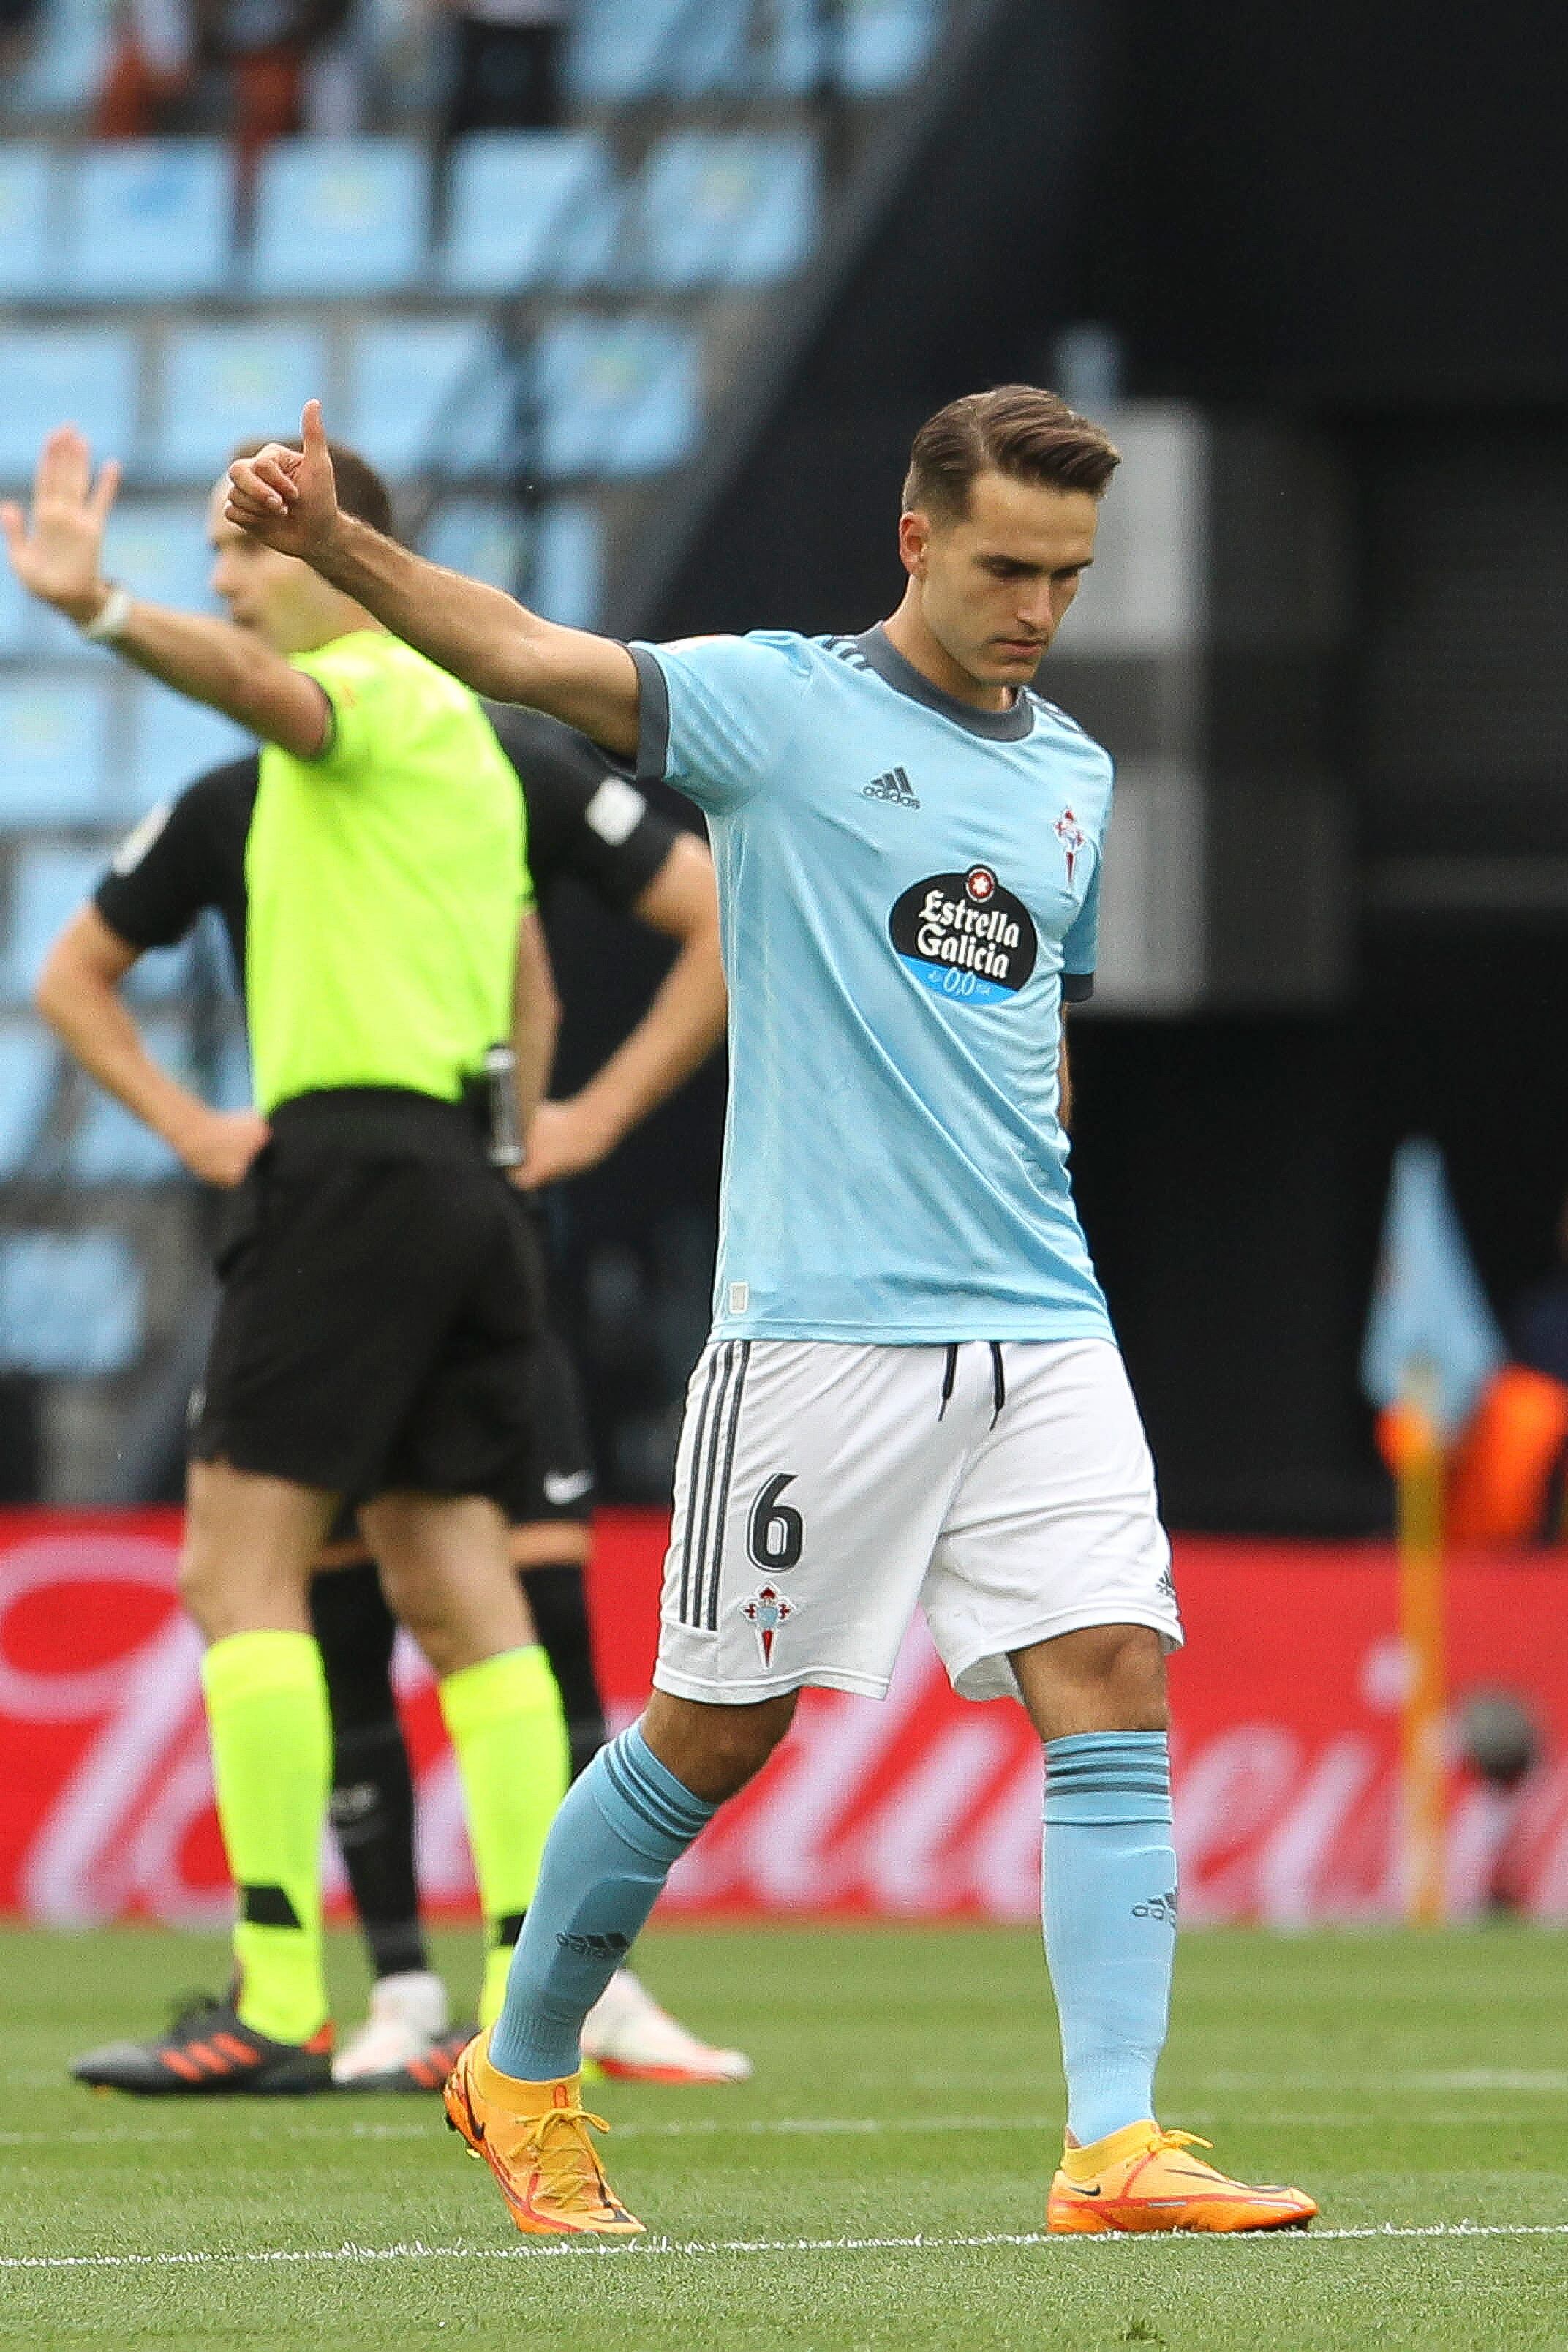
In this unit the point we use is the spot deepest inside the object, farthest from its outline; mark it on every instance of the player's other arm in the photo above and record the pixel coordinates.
(79, 995)
(288, 499)
(57, 550)
(678, 1031)
(536, 1021)
(1064, 1081)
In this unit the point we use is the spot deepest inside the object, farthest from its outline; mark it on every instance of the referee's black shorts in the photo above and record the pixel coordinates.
(381, 1308)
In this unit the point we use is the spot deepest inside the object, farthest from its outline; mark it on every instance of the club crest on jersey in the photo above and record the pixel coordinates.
(964, 937)
(766, 1612)
(1072, 837)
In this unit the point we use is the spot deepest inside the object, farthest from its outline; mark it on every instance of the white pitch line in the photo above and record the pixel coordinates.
(660, 2248)
(688, 2127)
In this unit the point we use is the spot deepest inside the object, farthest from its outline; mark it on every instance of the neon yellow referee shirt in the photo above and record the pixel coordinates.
(385, 882)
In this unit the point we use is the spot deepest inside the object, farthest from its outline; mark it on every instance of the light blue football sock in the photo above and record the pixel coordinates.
(1109, 1906)
(621, 1829)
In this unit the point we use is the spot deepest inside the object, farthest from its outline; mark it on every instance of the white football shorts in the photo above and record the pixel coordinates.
(824, 1491)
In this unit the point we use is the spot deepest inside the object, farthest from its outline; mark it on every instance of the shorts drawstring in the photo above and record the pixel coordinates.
(999, 1380)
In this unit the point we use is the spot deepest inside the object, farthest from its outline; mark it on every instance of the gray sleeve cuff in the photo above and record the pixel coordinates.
(1077, 987)
(654, 717)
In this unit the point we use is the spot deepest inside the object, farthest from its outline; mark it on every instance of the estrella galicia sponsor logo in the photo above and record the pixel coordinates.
(894, 786)
(964, 937)
(1159, 1906)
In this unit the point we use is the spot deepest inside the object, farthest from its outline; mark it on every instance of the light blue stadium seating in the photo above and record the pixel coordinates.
(336, 216)
(63, 71)
(112, 1145)
(28, 265)
(69, 1302)
(626, 51)
(168, 743)
(554, 558)
(231, 384)
(15, 615)
(53, 375)
(617, 397)
(28, 1064)
(527, 208)
(882, 45)
(54, 749)
(432, 395)
(725, 209)
(48, 885)
(159, 548)
(150, 220)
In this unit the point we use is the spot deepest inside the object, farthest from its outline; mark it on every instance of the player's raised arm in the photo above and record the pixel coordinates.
(56, 551)
(288, 499)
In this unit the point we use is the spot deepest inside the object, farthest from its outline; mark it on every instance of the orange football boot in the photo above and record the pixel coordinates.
(1143, 2178)
(534, 2139)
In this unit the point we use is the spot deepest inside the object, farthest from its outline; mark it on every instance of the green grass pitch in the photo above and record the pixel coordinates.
(901, 2124)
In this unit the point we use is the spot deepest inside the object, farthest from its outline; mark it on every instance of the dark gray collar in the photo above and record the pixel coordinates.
(881, 654)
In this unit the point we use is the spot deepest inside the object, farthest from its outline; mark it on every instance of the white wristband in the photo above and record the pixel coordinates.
(109, 622)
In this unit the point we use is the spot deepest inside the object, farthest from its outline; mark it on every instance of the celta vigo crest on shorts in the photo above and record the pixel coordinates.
(765, 1610)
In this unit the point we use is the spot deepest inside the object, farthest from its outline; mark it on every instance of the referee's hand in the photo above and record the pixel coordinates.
(219, 1146)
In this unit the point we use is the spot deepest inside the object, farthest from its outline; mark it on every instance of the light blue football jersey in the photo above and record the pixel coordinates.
(907, 887)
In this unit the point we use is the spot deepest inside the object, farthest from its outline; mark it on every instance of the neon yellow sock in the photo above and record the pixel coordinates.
(507, 1728)
(272, 1768)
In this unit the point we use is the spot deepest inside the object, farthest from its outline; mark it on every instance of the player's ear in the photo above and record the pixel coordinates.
(914, 540)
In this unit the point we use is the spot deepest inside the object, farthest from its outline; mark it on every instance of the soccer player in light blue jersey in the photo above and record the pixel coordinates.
(912, 1394)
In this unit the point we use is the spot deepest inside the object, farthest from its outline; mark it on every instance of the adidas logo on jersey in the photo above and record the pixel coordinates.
(895, 787)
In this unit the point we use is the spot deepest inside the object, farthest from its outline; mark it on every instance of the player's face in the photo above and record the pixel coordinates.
(995, 585)
(274, 595)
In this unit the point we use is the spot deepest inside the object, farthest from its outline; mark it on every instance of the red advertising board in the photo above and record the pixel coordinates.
(1286, 1745)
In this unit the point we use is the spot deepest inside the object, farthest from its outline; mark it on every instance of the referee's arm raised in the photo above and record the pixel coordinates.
(288, 499)
(56, 552)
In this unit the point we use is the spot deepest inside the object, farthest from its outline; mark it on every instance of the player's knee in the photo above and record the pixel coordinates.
(714, 1750)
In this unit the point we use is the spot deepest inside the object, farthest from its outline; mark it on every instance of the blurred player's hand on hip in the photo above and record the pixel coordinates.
(287, 498)
(220, 1146)
(564, 1140)
(56, 551)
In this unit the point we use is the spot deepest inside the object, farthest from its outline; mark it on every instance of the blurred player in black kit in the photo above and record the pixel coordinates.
(590, 824)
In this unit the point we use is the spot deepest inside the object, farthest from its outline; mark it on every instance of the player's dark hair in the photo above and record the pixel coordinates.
(1018, 430)
(360, 489)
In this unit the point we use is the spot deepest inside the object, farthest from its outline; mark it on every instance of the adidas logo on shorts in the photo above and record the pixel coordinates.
(895, 787)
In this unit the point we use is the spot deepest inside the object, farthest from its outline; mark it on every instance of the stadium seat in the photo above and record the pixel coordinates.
(69, 1302)
(624, 52)
(553, 559)
(226, 384)
(64, 70)
(53, 750)
(617, 397)
(152, 220)
(159, 548)
(29, 1061)
(433, 395)
(48, 885)
(168, 743)
(112, 1145)
(15, 615)
(882, 45)
(337, 216)
(27, 257)
(528, 208)
(86, 373)
(730, 208)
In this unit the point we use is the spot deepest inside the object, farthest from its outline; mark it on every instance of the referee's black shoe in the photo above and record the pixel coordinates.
(205, 2049)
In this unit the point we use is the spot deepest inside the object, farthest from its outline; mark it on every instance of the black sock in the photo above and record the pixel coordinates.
(372, 1788)
(555, 1595)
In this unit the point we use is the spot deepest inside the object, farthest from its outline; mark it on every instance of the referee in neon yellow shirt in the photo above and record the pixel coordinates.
(374, 1341)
